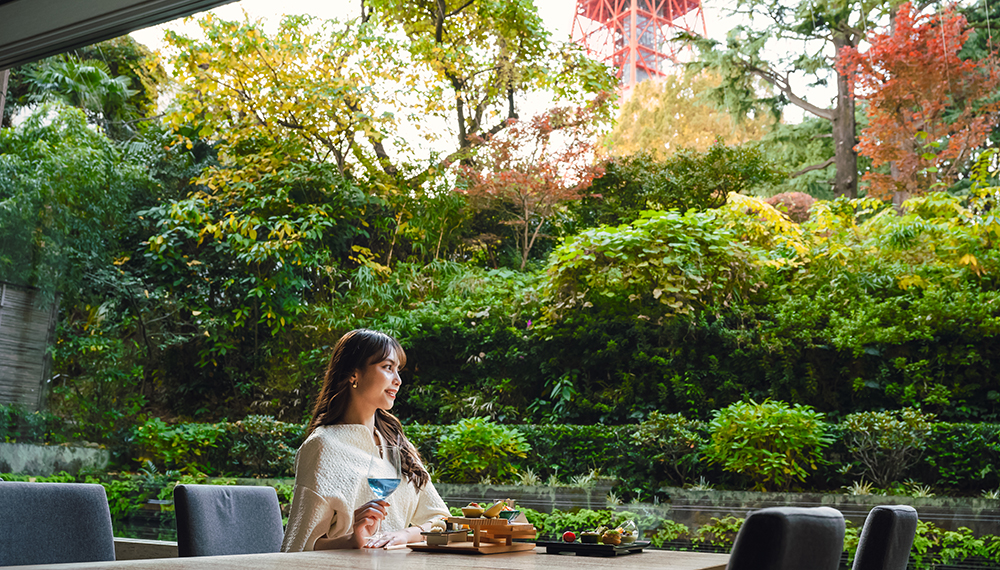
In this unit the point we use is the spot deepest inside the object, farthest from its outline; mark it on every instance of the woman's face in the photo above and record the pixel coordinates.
(377, 384)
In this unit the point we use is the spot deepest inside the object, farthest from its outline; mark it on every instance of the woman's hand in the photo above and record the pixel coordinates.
(367, 519)
(398, 537)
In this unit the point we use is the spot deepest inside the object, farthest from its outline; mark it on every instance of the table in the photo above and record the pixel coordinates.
(407, 559)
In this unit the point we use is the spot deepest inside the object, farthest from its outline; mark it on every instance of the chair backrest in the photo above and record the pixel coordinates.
(886, 538)
(52, 523)
(789, 538)
(214, 520)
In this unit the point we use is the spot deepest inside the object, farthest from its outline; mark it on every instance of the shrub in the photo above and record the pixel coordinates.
(557, 522)
(795, 205)
(771, 442)
(426, 438)
(718, 533)
(663, 264)
(934, 546)
(887, 443)
(671, 442)
(182, 446)
(104, 399)
(265, 446)
(574, 449)
(19, 425)
(477, 449)
(671, 532)
(963, 456)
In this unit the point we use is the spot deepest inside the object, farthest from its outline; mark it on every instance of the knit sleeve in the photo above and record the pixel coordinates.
(430, 506)
(311, 517)
(324, 497)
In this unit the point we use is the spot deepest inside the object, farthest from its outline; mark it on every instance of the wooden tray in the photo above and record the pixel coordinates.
(488, 536)
(586, 549)
(468, 548)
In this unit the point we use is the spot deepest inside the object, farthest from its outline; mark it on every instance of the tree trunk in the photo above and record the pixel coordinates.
(4, 76)
(844, 134)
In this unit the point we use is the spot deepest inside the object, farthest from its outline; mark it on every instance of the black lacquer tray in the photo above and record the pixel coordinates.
(587, 549)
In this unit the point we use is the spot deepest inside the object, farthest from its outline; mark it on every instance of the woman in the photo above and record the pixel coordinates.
(333, 506)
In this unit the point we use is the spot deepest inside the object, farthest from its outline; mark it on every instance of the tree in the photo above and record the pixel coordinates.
(307, 92)
(4, 79)
(117, 82)
(687, 179)
(533, 166)
(487, 53)
(664, 115)
(925, 104)
(825, 28)
(85, 84)
(65, 197)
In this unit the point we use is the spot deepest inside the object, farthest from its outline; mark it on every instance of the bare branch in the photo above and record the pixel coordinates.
(819, 166)
(782, 84)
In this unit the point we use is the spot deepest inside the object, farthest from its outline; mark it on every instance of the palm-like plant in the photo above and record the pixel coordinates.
(85, 84)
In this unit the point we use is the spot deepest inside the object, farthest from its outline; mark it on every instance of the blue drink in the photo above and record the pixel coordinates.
(382, 487)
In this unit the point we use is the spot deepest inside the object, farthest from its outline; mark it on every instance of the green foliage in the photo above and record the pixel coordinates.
(100, 389)
(65, 196)
(555, 523)
(663, 264)
(18, 425)
(933, 545)
(687, 179)
(286, 239)
(181, 446)
(771, 443)
(710, 177)
(963, 456)
(266, 446)
(569, 450)
(718, 533)
(85, 84)
(672, 442)
(61, 477)
(887, 443)
(670, 532)
(477, 449)
(121, 495)
(466, 333)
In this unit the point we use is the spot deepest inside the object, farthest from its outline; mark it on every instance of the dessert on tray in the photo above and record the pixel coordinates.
(483, 529)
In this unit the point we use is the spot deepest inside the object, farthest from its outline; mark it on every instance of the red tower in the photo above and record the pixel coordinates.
(634, 35)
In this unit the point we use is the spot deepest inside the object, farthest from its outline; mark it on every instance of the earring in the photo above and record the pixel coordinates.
(354, 384)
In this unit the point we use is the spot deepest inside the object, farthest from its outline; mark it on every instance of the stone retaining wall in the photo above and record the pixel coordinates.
(694, 508)
(45, 460)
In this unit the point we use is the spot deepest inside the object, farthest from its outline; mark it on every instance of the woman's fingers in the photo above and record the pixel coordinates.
(389, 539)
(378, 542)
(370, 508)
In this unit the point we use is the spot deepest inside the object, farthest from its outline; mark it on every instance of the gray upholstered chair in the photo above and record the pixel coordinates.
(214, 520)
(51, 523)
(886, 538)
(789, 538)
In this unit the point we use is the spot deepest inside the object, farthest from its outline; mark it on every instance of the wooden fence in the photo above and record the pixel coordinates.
(27, 325)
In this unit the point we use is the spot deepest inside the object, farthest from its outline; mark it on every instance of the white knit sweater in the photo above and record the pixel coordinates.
(331, 469)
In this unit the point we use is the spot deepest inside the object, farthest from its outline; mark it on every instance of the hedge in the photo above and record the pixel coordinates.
(957, 458)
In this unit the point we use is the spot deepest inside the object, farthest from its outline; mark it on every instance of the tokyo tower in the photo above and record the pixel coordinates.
(633, 36)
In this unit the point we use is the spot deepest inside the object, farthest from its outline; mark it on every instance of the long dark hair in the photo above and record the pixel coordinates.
(353, 352)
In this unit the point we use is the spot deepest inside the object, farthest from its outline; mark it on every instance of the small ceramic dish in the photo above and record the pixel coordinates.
(509, 515)
(472, 512)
